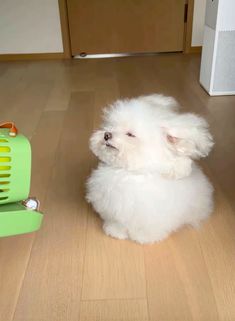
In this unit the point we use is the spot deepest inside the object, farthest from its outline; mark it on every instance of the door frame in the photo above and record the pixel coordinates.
(187, 46)
(64, 22)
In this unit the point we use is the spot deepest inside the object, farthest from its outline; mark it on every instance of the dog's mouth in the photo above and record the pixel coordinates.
(110, 146)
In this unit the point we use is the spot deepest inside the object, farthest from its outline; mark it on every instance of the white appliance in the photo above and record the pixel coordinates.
(217, 74)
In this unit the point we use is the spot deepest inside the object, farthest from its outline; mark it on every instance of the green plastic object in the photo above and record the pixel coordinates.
(16, 219)
(15, 174)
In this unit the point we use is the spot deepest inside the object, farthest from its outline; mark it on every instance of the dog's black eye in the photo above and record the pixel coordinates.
(130, 134)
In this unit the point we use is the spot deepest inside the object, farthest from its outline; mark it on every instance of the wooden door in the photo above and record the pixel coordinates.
(126, 26)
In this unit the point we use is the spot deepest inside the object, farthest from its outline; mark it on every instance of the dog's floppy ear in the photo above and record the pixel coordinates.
(188, 135)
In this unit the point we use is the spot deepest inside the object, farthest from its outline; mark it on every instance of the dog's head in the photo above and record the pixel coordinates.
(147, 133)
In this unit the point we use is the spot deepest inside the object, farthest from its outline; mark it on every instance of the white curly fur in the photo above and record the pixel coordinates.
(148, 185)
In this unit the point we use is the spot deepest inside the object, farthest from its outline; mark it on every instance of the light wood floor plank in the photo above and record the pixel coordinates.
(116, 310)
(107, 272)
(92, 75)
(12, 85)
(60, 94)
(30, 94)
(58, 251)
(217, 241)
(15, 251)
(167, 295)
(14, 256)
(190, 263)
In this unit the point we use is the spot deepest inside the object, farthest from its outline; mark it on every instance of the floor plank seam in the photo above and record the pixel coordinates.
(23, 277)
(116, 299)
(83, 263)
(209, 277)
(146, 286)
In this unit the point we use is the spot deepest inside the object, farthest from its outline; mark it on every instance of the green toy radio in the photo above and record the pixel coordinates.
(18, 213)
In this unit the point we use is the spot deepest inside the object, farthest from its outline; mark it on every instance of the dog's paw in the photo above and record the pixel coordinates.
(195, 224)
(115, 230)
(146, 238)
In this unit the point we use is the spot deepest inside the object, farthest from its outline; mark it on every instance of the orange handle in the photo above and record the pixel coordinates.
(12, 128)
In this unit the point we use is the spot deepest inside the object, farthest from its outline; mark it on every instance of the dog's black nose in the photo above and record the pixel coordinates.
(107, 135)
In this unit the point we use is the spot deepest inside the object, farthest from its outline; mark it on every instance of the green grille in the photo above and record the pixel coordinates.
(15, 167)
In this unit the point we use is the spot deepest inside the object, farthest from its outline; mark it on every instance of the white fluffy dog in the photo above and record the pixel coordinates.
(147, 184)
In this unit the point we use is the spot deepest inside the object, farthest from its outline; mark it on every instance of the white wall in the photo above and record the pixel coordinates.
(30, 26)
(198, 22)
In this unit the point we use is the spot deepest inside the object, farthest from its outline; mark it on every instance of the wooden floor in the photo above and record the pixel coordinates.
(71, 271)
